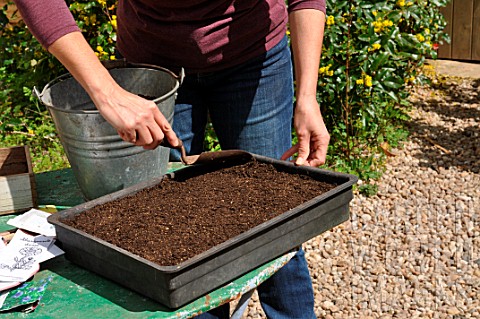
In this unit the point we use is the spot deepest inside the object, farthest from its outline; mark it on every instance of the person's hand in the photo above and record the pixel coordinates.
(313, 137)
(137, 120)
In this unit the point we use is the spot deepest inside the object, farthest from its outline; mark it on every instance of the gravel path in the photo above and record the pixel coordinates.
(412, 251)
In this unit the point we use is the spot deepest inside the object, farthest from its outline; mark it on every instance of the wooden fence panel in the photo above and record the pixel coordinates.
(445, 50)
(462, 29)
(463, 26)
(476, 31)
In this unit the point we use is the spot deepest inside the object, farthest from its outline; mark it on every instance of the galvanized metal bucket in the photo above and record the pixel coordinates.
(101, 161)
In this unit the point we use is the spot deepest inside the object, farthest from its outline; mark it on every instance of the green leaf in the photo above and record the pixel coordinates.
(379, 61)
(392, 95)
(392, 85)
(364, 37)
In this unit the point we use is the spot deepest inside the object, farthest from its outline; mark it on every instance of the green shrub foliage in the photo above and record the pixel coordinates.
(25, 64)
(372, 53)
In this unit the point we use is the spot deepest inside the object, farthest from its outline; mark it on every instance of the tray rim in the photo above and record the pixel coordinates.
(214, 251)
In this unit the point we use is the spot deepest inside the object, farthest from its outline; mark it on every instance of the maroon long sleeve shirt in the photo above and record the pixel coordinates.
(199, 35)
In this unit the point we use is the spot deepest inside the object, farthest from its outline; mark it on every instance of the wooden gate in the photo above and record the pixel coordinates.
(463, 18)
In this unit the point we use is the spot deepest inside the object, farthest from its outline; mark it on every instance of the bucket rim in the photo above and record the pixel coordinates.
(122, 65)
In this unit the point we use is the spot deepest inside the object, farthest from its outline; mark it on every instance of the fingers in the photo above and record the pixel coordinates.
(290, 152)
(311, 151)
(318, 151)
(128, 136)
(137, 120)
(148, 127)
(321, 153)
(166, 129)
(303, 154)
(151, 135)
(303, 150)
(316, 160)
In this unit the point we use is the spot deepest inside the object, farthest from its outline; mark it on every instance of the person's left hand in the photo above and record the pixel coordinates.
(313, 136)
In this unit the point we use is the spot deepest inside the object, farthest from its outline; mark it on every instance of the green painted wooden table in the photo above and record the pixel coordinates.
(78, 293)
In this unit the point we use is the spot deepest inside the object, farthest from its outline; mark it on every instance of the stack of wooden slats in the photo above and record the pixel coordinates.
(17, 182)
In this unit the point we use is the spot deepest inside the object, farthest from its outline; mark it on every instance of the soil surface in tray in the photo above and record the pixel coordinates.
(176, 220)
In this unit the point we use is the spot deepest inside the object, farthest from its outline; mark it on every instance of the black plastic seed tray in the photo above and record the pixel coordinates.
(175, 286)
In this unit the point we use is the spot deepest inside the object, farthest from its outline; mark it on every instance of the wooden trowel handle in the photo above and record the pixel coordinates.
(185, 159)
(166, 143)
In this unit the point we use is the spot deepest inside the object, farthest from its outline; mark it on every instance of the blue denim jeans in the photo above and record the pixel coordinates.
(251, 108)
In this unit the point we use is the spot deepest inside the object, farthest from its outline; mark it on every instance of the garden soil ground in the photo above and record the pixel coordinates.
(177, 220)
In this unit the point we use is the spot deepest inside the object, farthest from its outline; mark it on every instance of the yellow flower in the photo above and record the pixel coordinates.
(330, 20)
(288, 31)
(387, 23)
(377, 25)
(114, 25)
(112, 57)
(103, 3)
(420, 37)
(368, 80)
(410, 79)
(365, 80)
(375, 46)
(31, 132)
(326, 70)
(401, 3)
(374, 12)
(409, 3)
(427, 31)
(99, 49)
(380, 24)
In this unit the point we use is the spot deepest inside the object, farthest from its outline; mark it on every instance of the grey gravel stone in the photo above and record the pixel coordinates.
(413, 250)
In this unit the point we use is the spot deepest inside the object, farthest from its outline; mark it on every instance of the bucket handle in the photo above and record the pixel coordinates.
(111, 64)
(36, 93)
(122, 63)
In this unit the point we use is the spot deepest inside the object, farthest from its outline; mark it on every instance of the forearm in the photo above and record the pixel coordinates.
(307, 29)
(136, 119)
(73, 51)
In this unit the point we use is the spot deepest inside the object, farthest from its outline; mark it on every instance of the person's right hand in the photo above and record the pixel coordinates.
(137, 120)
